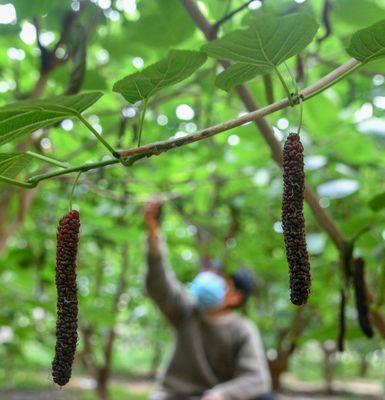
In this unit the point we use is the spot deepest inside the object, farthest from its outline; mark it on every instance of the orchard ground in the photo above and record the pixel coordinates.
(81, 388)
(347, 378)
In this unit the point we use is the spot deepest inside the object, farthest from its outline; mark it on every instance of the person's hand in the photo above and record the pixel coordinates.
(152, 212)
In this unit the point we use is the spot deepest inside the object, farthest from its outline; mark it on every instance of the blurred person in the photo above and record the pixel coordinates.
(218, 354)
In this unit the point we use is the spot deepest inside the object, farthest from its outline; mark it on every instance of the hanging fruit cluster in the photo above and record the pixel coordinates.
(360, 296)
(293, 221)
(341, 322)
(67, 302)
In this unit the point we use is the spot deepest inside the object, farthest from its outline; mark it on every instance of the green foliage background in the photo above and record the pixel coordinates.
(217, 182)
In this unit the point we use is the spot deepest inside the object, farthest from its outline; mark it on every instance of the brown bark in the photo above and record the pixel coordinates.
(86, 356)
(101, 383)
(286, 345)
(277, 367)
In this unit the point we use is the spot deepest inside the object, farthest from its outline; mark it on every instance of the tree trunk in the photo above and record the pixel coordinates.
(277, 368)
(157, 355)
(103, 372)
(328, 371)
(364, 366)
(101, 383)
(86, 356)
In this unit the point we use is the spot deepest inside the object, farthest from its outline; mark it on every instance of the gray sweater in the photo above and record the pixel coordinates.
(222, 355)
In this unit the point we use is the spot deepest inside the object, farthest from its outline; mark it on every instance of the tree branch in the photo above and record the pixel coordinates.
(326, 21)
(323, 218)
(136, 153)
(156, 148)
(228, 16)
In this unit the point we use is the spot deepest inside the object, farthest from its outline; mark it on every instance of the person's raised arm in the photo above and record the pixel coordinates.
(161, 283)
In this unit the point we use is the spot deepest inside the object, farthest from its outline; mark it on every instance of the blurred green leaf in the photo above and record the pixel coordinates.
(27, 116)
(12, 163)
(356, 225)
(267, 42)
(94, 80)
(369, 43)
(27, 9)
(162, 23)
(377, 202)
(356, 13)
(177, 66)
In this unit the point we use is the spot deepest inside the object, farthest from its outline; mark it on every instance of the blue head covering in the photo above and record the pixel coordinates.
(208, 289)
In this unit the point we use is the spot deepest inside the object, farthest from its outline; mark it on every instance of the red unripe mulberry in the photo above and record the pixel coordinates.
(67, 301)
(293, 221)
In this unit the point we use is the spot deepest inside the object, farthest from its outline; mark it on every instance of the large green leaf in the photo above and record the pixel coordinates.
(369, 43)
(268, 41)
(27, 116)
(177, 66)
(12, 163)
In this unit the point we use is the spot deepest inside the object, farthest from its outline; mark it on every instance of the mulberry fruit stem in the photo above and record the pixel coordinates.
(67, 302)
(361, 298)
(293, 221)
(73, 188)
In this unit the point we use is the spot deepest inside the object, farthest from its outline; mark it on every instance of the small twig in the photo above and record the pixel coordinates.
(47, 159)
(269, 88)
(98, 136)
(284, 85)
(299, 68)
(300, 115)
(326, 21)
(228, 16)
(34, 180)
(73, 189)
(141, 121)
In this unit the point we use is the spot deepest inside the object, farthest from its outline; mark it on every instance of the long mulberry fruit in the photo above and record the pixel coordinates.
(341, 322)
(67, 301)
(293, 221)
(360, 296)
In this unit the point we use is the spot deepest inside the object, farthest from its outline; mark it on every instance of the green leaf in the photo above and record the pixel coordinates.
(177, 66)
(356, 14)
(377, 202)
(238, 73)
(27, 116)
(26, 9)
(356, 225)
(369, 43)
(12, 163)
(165, 23)
(267, 42)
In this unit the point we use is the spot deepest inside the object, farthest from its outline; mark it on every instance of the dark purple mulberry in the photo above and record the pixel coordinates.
(67, 301)
(360, 296)
(293, 221)
(341, 322)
